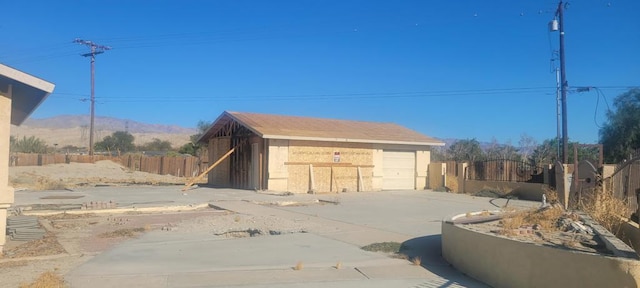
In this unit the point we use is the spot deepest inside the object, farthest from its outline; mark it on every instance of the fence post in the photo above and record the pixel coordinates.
(462, 176)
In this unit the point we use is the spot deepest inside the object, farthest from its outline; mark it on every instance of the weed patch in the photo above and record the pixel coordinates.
(386, 247)
(46, 280)
(122, 233)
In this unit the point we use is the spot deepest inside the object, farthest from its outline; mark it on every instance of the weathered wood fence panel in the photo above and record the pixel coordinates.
(163, 165)
(505, 170)
(625, 181)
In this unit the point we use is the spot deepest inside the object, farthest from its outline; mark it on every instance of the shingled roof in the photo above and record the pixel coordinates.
(319, 129)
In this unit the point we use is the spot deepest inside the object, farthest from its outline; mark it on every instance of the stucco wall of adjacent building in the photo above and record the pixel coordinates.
(6, 192)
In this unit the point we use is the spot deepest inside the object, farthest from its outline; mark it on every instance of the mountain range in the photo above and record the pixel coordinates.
(73, 130)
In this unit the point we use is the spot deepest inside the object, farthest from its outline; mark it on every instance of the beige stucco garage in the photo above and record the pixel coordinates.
(20, 94)
(302, 154)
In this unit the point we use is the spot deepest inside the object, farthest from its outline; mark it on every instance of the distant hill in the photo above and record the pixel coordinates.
(74, 130)
(105, 123)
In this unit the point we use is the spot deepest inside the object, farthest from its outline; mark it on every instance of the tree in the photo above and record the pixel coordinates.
(120, 141)
(438, 154)
(188, 148)
(502, 151)
(545, 153)
(30, 144)
(194, 147)
(527, 145)
(465, 150)
(620, 135)
(156, 145)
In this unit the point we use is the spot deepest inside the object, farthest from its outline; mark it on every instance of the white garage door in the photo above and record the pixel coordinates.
(399, 170)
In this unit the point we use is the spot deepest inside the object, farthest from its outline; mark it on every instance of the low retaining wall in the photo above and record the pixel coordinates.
(631, 234)
(502, 262)
(523, 190)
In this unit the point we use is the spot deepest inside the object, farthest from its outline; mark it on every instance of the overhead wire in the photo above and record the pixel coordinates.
(331, 97)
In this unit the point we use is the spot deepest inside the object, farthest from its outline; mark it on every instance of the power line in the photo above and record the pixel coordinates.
(497, 92)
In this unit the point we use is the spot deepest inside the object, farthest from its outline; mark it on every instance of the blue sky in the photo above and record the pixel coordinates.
(449, 69)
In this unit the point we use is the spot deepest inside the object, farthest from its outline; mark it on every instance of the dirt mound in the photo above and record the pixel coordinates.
(66, 176)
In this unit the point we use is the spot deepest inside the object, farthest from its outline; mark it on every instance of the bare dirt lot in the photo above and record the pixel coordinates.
(67, 176)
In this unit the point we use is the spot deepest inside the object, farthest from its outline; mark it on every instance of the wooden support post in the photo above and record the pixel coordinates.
(312, 182)
(331, 181)
(360, 182)
(209, 169)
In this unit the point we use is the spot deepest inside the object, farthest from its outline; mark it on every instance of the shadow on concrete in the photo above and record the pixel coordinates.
(429, 249)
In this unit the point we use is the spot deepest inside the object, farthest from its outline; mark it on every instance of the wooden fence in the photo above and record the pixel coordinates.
(625, 181)
(163, 165)
(505, 170)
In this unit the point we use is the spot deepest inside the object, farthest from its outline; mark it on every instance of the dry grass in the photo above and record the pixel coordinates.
(125, 232)
(46, 280)
(546, 220)
(299, 266)
(513, 221)
(416, 261)
(48, 184)
(48, 245)
(452, 183)
(67, 216)
(605, 209)
(552, 195)
(12, 264)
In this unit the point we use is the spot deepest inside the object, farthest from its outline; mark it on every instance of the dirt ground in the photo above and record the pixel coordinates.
(73, 239)
(67, 176)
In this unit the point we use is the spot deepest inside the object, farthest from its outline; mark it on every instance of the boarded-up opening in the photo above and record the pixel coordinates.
(399, 168)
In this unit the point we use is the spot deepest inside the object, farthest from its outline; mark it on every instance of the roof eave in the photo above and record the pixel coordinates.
(305, 138)
(232, 117)
(27, 92)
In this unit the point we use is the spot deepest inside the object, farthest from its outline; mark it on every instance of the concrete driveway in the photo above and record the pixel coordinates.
(196, 259)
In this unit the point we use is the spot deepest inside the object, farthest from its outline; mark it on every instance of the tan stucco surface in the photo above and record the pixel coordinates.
(20, 94)
(501, 262)
(6, 192)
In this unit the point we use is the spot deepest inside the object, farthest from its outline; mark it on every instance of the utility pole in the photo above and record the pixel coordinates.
(95, 50)
(563, 87)
(558, 25)
(558, 115)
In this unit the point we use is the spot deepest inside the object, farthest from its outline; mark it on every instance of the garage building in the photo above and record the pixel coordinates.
(301, 154)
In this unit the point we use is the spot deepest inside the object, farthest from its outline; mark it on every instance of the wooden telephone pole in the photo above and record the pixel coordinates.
(95, 50)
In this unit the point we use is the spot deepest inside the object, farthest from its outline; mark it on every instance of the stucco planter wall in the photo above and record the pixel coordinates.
(502, 262)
